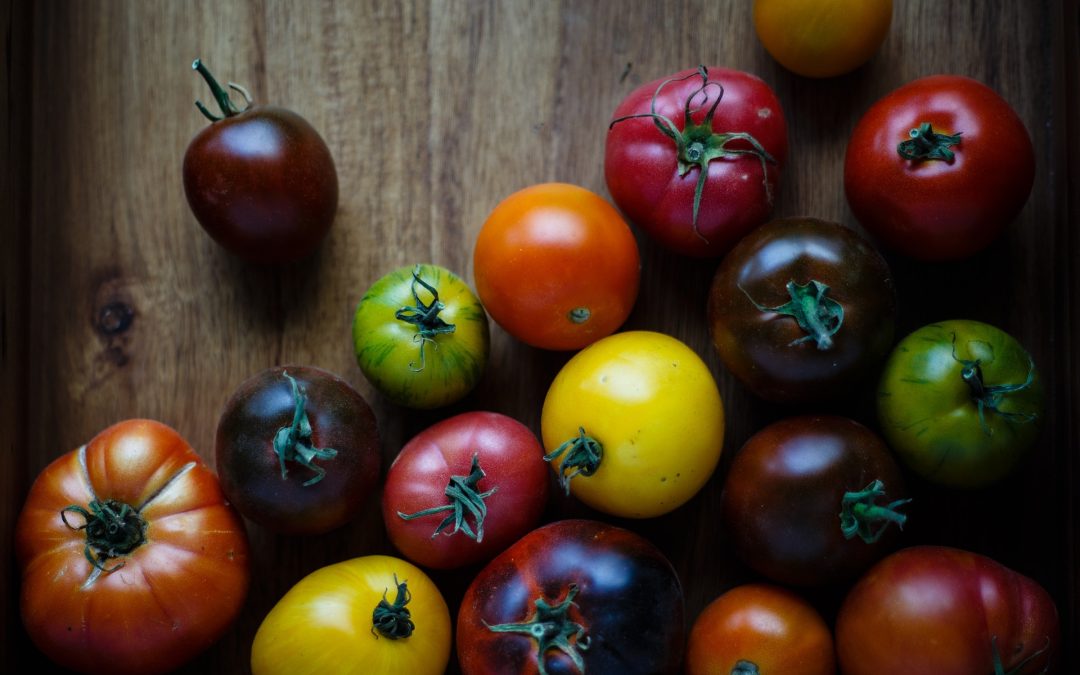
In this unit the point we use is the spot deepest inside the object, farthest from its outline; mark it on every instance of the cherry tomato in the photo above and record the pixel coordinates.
(132, 561)
(802, 309)
(939, 167)
(613, 415)
(260, 180)
(464, 489)
(757, 629)
(375, 614)
(556, 266)
(298, 450)
(574, 596)
(694, 159)
(945, 611)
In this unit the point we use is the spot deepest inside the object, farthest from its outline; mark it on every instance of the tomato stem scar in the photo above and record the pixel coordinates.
(464, 499)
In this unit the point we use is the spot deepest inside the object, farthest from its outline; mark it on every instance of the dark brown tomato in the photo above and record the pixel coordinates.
(802, 309)
(297, 450)
(810, 500)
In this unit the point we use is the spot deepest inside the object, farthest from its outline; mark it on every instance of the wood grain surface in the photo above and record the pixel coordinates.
(434, 111)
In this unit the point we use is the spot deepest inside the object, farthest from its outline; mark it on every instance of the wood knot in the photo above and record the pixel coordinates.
(114, 318)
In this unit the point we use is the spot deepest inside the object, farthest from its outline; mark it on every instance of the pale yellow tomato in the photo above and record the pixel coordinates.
(634, 424)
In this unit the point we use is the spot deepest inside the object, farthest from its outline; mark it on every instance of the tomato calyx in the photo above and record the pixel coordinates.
(818, 315)
(393, 620)
(113, 529)
(552, 628)
(424, 316)
(228, 108)
(999, 667)
(924, 143)
(861, 516)
(744, 667)
(697, 144)
(464, 498)
(293, 443)
(990, 397)
(583, 457)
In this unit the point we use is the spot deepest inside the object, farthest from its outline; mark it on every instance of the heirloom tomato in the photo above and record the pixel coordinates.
(802, 309)
(633, 424)
(260, 180)
(421, 336)
(297, 450)
(557, 266)
(945, 611)
(375, 614)
(810, 500)
(464, 489)
(939, 167)
(960, 402)
(574, 596)
(757, 629)
(694, 159)
(132, 561)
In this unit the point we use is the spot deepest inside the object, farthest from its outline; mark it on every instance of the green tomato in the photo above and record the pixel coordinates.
(421, 336)
(960, 402)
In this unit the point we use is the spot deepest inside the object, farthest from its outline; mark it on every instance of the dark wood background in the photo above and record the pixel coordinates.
(434, 111)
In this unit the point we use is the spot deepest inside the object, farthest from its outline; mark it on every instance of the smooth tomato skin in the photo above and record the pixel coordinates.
(768, 626)
(324, 623)
(623, 582)
(822, 38)
(931, 209)
(931, 609)
(783, 496)
(638, 394)
(641, 165)
(768, 351)
(250, 469)
(930, 418)
(263, 184)
(388, 349)
(557, 266)
(173, 596)
(512, 460)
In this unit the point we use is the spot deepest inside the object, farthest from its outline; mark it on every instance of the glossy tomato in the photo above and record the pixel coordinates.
(949, 612)
(464, 489)
(556, 266)
(939, 167)
(757, 629)
(374, 614)
(132, 561)
(421, 336)
(822, 38)
(614, 415)
(960, 402)
(260, 180)
(298, 450)
(575, 596)
(802, 309)
(694, 159)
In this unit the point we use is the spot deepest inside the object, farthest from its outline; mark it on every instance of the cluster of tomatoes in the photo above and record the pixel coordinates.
(135, 556)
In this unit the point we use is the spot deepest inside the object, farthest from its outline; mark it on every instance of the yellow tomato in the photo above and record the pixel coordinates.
(326, 623)
(634, 424)
(822, 38)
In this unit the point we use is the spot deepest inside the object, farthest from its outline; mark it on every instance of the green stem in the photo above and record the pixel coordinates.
(464, 499)
(551, 627)
(925, 143)
(1018, 669)
(861, 516)
(294, 442)
(113, 529)
(583, 455)
(424, 316)
(990, 397)
(228, 109)
(819, 316)
(393, 620)
(743, 667)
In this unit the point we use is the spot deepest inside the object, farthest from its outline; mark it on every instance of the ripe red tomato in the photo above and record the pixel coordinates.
(945, 611)
(939, 167)
(464, 489)
(694, 159)
(260, 180)
(556, 266)
(297, 450)
(574, 596)
(132, 561)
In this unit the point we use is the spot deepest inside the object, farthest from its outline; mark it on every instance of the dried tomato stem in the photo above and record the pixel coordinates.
(228, 109)
(464, 499)
(925, 143)
(583, 455)
(818, 315)
(113, 529)
(294, 442)
(551, 627)
(393, 620)
(424, 316)
(861, 516)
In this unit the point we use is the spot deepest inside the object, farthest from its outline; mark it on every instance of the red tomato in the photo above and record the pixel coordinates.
(132, 561)
(945, 611)
(556, 266)
(465, 489)
(694, 159)
(939, 167)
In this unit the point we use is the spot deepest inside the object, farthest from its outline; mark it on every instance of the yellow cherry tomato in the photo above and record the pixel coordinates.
(634, 424)
(822, 38)
(375, 614)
